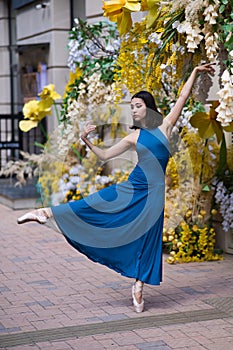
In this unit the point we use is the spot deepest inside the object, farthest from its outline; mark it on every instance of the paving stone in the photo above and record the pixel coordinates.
(52, 297)
(159, 345)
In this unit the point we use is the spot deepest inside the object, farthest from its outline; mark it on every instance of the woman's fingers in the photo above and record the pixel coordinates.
(208, 67)
(88, 128)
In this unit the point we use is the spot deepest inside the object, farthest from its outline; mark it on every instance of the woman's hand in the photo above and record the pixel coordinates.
(87, 129)
(208, 67)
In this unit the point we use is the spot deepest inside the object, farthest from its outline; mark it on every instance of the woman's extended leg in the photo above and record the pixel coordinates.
(39, 215)
(138, 301)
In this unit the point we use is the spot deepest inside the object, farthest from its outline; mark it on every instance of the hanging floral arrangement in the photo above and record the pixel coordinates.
(88, 95)
(157, 54)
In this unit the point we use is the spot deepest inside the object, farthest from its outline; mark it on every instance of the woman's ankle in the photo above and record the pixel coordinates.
(138, 287)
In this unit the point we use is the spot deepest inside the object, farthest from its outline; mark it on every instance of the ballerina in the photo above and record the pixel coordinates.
(121, 226)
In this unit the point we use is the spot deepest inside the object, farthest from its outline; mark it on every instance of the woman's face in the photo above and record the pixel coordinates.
(138, 110)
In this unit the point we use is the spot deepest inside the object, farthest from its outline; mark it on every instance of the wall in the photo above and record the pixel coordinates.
(5, 60)
(49, 25)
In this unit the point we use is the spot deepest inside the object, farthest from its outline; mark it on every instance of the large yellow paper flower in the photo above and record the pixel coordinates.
(207, 124)
(48, 95)
(34, 111)
(119, 11)
(153, 12)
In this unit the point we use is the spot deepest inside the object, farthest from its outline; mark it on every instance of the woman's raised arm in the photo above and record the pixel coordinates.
(174, 114)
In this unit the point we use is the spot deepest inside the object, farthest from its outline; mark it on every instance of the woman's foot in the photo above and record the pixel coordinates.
(40, 215)
(138, 301)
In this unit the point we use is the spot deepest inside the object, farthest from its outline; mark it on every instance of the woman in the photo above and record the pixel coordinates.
(121, 226)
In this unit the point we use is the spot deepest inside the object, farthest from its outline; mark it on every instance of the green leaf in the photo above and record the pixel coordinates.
(205, 188)
(222, 165)
(37, 144)
(221, 8)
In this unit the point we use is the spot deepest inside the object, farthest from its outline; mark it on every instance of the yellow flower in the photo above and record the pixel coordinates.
(35, 111)
(153, 12)
(119, 11)
(113, 7)
(207, 124)
(214, 211)
(73, 76)
(49, 94)
(171, 260)
(195, 228)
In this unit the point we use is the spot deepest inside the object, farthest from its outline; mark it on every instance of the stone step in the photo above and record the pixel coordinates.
(19, 197)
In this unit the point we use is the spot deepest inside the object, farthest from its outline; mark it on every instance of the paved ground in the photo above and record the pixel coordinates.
(53, 298)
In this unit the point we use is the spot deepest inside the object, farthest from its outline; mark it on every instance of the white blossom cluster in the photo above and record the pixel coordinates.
(155, 38)
(98, 92)
(79, 52)
(192, 29)
(67, 182)
(225, 201)
(68, 131)
(65, 138)
(76, 54)
(77, 178)
(225, 108)
(211, 37)
(210, 12)
(211, 45)
(103, 180)
(91, 93)
(193, 36)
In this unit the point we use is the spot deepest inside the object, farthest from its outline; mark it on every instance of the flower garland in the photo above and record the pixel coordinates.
(89, 95)
(199, 29)
(187, 233)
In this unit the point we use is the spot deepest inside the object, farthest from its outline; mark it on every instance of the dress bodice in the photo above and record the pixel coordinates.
(153, 153)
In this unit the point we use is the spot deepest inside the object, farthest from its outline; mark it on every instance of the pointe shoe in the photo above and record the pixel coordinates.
(137, 287)
(38, 215)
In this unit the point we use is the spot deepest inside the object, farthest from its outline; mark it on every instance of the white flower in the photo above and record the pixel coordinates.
(211, 46)
(74, 179)
(193, 37)
(75, 170)
(211, 14)
(175, 24)
(228, 36)
(225, 108)
(231, 53)
(225, 77)
(155, 38)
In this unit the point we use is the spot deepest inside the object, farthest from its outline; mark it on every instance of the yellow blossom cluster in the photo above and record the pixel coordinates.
(192, 243)
(48, 182)
(132, 63)
(189, 198)
(73, 76)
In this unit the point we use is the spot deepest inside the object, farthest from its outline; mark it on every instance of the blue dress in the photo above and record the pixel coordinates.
(121, 226)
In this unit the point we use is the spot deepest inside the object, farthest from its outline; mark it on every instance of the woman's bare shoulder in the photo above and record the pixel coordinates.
(132, 137)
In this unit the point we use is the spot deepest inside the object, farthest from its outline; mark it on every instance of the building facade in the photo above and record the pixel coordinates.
(33, 41)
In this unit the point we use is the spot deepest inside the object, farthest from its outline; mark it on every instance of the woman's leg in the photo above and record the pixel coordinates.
(39, 215)
(138, 301)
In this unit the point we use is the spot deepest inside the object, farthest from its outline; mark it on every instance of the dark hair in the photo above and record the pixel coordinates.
(153, 117)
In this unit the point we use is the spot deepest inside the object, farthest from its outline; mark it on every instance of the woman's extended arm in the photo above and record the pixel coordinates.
(105, 154)
(174, 114)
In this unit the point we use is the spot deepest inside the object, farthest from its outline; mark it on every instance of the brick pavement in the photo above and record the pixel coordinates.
(54, 298)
